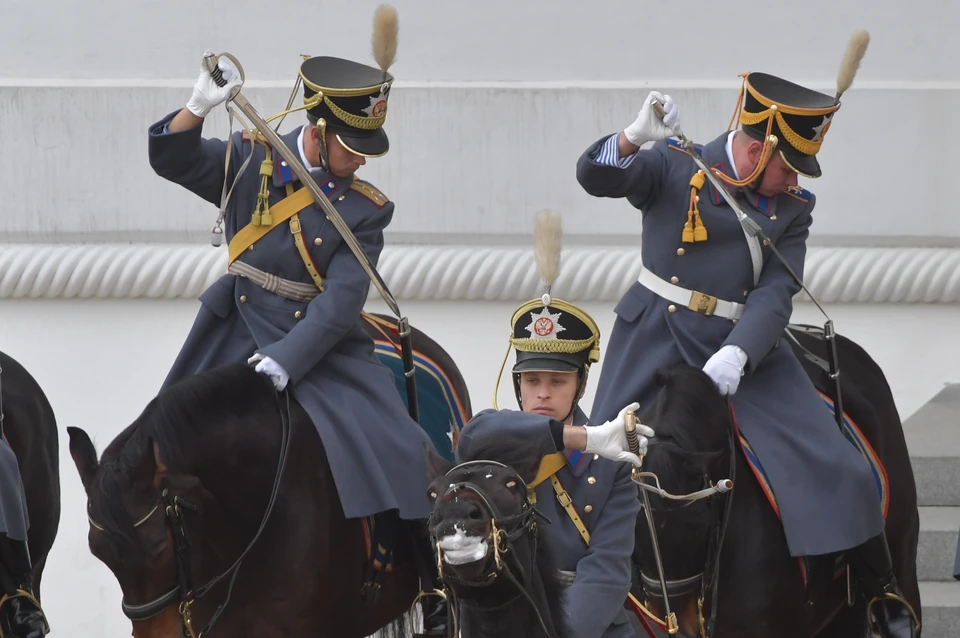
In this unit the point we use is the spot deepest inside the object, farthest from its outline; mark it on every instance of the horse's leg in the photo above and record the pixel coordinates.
(761, 588)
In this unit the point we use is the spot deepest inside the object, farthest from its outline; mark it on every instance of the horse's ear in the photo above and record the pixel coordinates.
(436, 464)
(84, 455)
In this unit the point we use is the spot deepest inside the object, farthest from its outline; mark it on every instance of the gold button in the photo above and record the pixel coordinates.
(283, 163)
(243, 299)
(588, 509)
(596, 456)
(341, 198)
(251, 247)
(331, 184)
(591, 480)
(317, 241)
(674, 280)
(680, 251)
(746, 292)
(773, 216)
(672, 308)
(733, 320)
(766, 242)
(298, 314)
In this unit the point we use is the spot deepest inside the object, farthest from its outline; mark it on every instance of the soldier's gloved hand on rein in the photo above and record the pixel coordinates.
(649, 127)
(726, 367)
(272, 369)
(610, 439)
(206, 94)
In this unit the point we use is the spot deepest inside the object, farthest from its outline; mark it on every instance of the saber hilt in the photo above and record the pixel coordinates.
(214, 68)
(630, 421)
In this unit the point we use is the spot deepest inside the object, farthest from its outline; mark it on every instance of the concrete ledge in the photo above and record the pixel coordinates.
(941, 609)
(939, 528)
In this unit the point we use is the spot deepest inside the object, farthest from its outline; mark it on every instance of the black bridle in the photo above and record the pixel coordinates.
(184, 592)
(708, 579)
(504, 531)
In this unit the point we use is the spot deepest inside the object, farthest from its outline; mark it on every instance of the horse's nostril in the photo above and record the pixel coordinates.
(476, 512)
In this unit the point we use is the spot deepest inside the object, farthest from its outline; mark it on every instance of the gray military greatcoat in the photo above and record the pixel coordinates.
(826, 493)
(605, 499)
(374, 448)
(14, 521)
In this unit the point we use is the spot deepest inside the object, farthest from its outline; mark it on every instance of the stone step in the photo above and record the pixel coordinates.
(941, 609)
(933, 440)
(937, 550)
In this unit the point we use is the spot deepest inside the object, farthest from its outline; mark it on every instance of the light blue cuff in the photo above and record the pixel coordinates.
(609, 154)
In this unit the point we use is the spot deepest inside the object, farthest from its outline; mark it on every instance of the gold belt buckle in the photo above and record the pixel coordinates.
(702, 303)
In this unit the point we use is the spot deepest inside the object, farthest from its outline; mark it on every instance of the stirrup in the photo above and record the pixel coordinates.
(22, 593)
(439, 593)
(887, 596)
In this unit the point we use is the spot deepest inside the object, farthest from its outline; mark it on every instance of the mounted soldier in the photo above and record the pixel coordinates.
(20, 612)
(291, 301)
(591, 502)
(709, 297)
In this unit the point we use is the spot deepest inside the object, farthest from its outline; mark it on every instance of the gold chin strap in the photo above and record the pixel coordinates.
(769, 140)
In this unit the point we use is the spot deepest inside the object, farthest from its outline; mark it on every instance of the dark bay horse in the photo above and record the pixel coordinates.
(760, 590)
(498, 572)
(30, 427)
(220, 493)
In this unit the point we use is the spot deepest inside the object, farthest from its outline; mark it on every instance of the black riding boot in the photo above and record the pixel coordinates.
(21, 614)
(435, 608)
(887, 610)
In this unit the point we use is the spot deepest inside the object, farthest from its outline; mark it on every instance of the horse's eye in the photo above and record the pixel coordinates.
(511, 483)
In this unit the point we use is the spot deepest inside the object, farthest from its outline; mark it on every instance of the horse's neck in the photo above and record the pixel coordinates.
(503, 611)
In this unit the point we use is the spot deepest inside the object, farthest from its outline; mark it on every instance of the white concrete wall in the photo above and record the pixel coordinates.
(493, 105)
(100, 362)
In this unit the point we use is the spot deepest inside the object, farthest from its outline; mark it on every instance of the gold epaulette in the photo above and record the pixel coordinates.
(369, 191)
(798, 192)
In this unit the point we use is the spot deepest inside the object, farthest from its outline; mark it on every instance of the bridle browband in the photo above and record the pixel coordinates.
(172, 508)
(665, 589)
(504, 530)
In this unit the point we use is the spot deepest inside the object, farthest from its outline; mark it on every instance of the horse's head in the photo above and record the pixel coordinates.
(151, 518)
(489, 549)
(691, 453)
(134, 509)
(480, 511)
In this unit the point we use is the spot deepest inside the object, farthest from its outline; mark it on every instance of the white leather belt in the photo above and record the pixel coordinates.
(691, 299)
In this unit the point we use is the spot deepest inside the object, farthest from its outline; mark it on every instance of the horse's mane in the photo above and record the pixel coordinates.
(509, 449)
(185, 422)
(689, 410)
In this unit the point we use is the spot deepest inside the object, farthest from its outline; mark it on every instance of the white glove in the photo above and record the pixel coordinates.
(648, 127)
(610, 439)
(272, 369)
(206, 93)
(726, 367)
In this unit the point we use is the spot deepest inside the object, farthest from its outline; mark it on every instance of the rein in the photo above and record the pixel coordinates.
(504, 530)
(172, 508)
(663, 588)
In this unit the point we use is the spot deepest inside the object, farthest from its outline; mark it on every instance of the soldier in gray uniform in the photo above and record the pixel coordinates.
(591, 502)
(291, 300)
(19, 607)
(712, 298)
